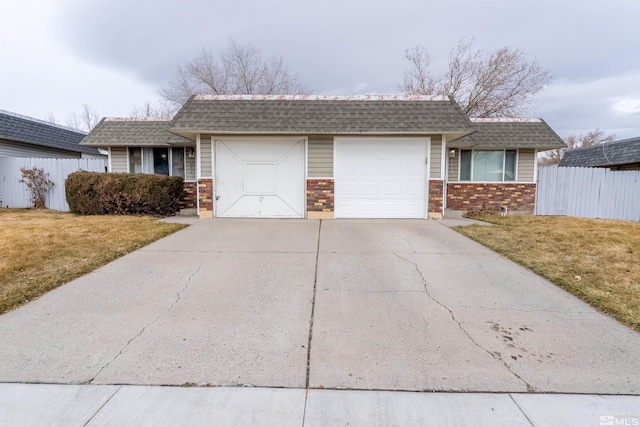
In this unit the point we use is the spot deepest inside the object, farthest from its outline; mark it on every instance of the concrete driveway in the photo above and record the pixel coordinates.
(353, 304)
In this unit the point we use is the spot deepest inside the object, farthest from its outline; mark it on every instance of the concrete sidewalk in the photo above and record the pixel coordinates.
(112, 405)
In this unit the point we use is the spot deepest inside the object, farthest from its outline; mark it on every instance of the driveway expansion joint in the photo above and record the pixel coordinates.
(313, 307)
(144, 328)
(530, 389)
(102, 406)
(520, 409)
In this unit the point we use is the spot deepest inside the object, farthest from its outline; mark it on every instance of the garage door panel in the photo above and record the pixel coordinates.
(259, 151)
(380, 178)
(260, 178)
(371, 169)
(393, 169)
(391, 189)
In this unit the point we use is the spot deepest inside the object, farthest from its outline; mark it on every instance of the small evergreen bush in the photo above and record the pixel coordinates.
(96, 193)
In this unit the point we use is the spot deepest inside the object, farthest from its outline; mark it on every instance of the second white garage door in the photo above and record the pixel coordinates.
(261, 177)
(380, 177)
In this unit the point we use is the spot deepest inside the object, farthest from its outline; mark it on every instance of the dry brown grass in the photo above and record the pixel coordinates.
(42, 250)
(596, 260)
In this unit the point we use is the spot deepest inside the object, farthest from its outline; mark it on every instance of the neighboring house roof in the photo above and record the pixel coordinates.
(132, 132)
(27, 130)
(625, 151)
(511, 133)
(320, 115)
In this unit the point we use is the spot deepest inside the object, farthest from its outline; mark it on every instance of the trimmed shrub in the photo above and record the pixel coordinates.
(96, 193)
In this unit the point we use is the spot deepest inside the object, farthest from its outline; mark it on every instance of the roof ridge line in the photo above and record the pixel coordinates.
(205, 97)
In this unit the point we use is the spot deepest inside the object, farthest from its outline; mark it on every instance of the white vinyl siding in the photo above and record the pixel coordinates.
(320, 158)
(18, 149)
(526, 164)
(206, 169)
(435, 158)
(118, 159)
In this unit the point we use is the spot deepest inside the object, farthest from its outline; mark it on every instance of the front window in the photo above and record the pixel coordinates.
(160, 160)
(488, 165)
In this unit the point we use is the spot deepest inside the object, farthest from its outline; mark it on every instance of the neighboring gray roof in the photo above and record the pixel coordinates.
(621, 152)
(511, 133)
(130, 132)
(320, 115)
(15, 127)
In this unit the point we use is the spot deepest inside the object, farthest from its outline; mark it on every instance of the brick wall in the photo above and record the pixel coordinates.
(189, 196)
(205, 194)
(470, 196)
(320, 195)
(435, 195)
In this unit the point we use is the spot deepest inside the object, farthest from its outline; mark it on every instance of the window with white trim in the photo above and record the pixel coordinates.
(160, 160)
(488, 165)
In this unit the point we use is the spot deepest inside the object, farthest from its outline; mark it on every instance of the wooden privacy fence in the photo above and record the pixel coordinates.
(588, 193)
(16, 195)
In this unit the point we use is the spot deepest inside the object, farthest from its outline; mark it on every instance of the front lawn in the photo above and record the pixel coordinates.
(42, 250)
(596, 260)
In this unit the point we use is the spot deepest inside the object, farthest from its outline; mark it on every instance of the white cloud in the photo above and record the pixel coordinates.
(627, 105)
(45, 77)
(611, 104)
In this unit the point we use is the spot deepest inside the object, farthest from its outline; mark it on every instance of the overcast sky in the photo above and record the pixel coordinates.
(56, 55)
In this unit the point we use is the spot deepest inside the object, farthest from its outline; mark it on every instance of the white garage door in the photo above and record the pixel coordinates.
(260, 178)
(380, 177)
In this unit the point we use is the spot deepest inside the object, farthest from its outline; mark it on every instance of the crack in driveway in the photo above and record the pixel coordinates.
(177, 299)
(399, 236)
(453, 317)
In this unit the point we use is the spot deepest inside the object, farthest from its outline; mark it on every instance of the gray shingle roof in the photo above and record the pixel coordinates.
(511, 133)
(128, 132)
(15, 127)
(318, 115)
(621, 152)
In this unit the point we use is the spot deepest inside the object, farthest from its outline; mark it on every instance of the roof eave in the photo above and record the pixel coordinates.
(190, 133)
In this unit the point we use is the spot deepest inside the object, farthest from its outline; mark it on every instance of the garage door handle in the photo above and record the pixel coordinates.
(217, 197)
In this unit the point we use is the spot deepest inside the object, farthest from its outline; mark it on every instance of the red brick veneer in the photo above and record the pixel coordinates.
(320, 196)
(189, 196)
(472, 196)
(205, 193)
(435, 195)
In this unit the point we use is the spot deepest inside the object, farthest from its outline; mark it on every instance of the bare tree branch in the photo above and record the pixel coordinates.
(501, 83)
(158, 110)
(85, 120)
(594, 137)
(240, 69)
(52, 118)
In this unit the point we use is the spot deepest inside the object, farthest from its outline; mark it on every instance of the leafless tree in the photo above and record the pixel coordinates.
(51, 118)
(588, 139)
(156, 110)
(500, 83)
(241, 69)
(85, 120)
